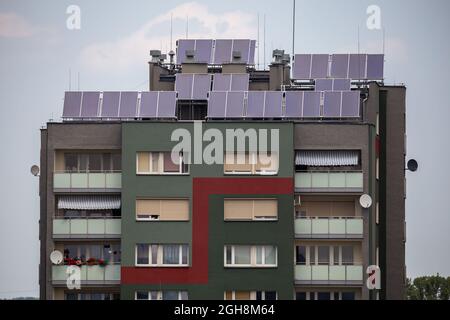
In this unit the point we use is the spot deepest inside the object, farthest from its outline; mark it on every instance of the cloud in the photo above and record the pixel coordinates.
(15, 26)
(132, 50)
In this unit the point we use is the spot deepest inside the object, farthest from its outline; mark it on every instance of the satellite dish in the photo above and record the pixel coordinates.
(34, 170)
(365, 201)
(412, 165)
(56, 257)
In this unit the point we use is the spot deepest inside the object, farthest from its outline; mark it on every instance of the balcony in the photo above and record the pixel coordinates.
(329, 274)
(87, 181)
(329, 181)
(92, 228)
(90, 275)
(329, 228)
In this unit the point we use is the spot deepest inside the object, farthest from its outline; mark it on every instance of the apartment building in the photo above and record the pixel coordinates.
(143, 220)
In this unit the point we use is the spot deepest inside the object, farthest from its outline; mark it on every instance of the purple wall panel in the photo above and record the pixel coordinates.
(128, 104)
(235, 104)
(339, 66)
(273, 107)
(149, 101)
(110, 104)
(332, 104)
(294, 104)
(350, 104)
(301, 66)
(167, 104)
(311, 104)
(216, 104)
(72, 104)
(255, 105)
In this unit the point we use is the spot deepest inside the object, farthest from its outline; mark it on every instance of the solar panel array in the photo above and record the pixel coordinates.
(193, 86)
(119, 105)
(279, 104)
(332, 84)
(231, 82)
(351, 66)
(218, 51)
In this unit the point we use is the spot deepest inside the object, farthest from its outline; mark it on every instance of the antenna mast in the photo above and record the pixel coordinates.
(293, 28)
(264, 43)
(258, 41)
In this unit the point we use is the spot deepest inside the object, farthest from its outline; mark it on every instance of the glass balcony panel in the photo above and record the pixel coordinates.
(337, 226)
(320, 226)
(95, 226)
(302, 273)
(113, 226)
(337, 273)
(78, 226)
(354, 226)
(79, 180)
(112, 272)
(96, 180)
(114, 180)
(319, 180)
(303, 226)
(354, 180)
(354, 273)
(95, 273)
(303, 180)
(61, 226)
(61, 180)
(320, 273)
(337, 179)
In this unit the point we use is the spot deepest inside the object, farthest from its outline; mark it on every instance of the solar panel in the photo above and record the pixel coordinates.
(294, 104)
(201, 86)
(301, 67)
(375, 66)
(167, 102)
(222, 82)
(128, 104)
(357, 66)
(235, 104)
(255, 104)
(311, 104)
(182, 46)
(251, 59)
(203, 51)
(222, 51)
(240, 81)
(319, 66)
(217, 104)
(183, 85)
(350, 104)
(72, 104)
(243, 46)
(341, 84)
(323, 85)
(89, 104)
(273, 104)
(110, 104)
(339, 66)
(332, 104)
(149, 104)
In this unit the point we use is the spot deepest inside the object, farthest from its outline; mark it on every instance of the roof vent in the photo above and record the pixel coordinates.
(190, 55)
(237, 56)
(156, 54)
(278, 56)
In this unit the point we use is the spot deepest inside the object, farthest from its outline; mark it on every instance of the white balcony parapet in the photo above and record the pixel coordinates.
(329, 274)
(90, 275)
(74, 181)
(78, 228)
(329, 181)
(329, 227)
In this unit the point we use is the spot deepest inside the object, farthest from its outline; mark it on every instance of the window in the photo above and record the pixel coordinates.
(92, 162)
(347, 255)
(160, 163)
(91, 296)
(161, 295)
(250, 209)
(251, 163)
(152, 255)
(323, 254)
(250, 256)
(323, 296)
(250, 295)
(348, 296)
(300, 296)
(162, 209)
(92, 254)
(300, 256)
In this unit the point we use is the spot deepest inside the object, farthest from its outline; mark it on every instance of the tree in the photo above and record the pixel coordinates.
(428, 288)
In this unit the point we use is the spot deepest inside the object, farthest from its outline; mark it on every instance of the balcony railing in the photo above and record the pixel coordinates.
(90, 275)
(79, 228)
(329, 181)
(90, 181)
(329, 274)
(329, 228)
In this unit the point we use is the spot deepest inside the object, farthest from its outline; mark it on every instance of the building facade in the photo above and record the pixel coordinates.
(142, 221)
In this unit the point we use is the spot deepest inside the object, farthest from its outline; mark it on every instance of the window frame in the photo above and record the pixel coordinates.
(253, 257)
(160, 256)
(253, 217)
(253, 164)
(160, 294)
(160, 170)
(150, 219)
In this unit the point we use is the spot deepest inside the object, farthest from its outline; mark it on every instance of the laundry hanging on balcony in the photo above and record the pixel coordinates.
(327, 158)
(89, 202)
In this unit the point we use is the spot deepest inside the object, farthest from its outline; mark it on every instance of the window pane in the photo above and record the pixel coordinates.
(116, 161)
(70, 251)
(336, 295)
(347, 255)
(116, 253)
(184, 254)
(242, 254)
(171, 254)
(270, 295)
(83, 165)
(155, 162)
(312, 255)
(71, 162)
(301, 255)
(228, 254)
(141, 295)
(95, 251)
(170, 295)
(271, 253)
(259, 295)
(71, 296)
(143, 164)
(259, 259)
(169, 165)
(95, 162)
(300, 296)
(96, 296)
(106, 162)
(323, 296)
(154, 295)
(154, 254)
(142, 254)
(324, 254)
(183, 295)
(336, 255)
(348, 296)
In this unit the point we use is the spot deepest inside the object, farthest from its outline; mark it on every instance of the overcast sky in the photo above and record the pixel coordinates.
(110, 52)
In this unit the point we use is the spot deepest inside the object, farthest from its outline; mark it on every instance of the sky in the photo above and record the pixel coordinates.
(110, 51)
